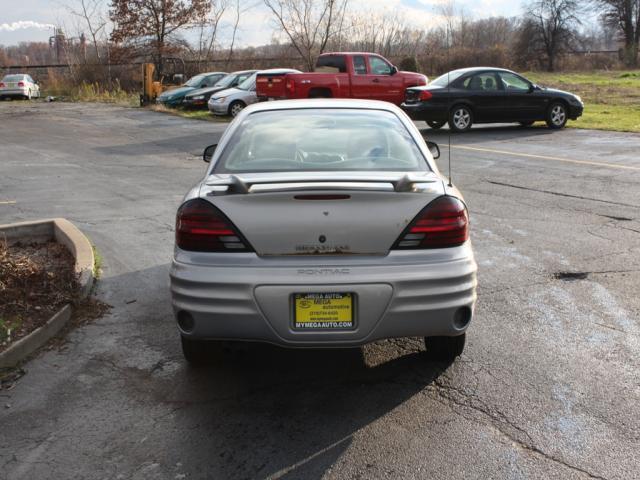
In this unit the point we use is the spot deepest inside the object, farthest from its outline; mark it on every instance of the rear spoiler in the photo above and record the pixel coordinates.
(235, 184)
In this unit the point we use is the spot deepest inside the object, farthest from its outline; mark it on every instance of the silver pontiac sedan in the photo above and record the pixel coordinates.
(323, 223)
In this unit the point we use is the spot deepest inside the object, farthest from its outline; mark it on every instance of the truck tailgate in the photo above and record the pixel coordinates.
(270, 85)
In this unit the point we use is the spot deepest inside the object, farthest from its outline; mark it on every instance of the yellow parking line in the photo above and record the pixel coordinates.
(7, 202)
(545, 157)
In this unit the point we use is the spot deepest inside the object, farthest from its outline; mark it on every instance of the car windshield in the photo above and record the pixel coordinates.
(444, 80)
(194, 81)
(321, 139)
(226, 80)
(13, 78)
(248, 83)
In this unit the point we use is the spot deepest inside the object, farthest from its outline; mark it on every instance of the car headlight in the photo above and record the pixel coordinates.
(197, 97)
(220, 99)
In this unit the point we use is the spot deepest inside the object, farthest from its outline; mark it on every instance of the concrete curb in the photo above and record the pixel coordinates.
(40, 231)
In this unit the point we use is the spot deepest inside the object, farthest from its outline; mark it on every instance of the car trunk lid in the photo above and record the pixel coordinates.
(357, 213)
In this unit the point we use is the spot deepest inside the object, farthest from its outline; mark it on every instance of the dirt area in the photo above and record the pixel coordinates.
(35, 281)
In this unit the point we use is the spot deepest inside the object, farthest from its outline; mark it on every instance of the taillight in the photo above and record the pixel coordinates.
(290, 86)
(425, 95)
(21, 84)
(441, 224)
(201, 227)
(2, 85)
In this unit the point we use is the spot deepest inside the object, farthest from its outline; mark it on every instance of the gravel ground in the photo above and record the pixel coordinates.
(548, 387)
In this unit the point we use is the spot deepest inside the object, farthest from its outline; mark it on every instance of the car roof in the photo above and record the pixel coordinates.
(351, 53)
(480, 69)
(240, 72)
(214, 73)
(324, 103)
(280, 70)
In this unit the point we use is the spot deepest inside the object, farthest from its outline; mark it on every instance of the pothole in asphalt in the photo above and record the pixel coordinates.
(570, 276)
(620, 219)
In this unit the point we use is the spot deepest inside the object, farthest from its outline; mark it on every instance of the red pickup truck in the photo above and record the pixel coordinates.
(342, 75)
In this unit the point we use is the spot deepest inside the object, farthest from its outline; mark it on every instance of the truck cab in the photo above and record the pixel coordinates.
(343, 75)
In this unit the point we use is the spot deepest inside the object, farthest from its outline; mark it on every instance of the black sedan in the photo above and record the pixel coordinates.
(489, 95)
(199, 98)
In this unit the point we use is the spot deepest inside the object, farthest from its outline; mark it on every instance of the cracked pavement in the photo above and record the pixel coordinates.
(548, 386)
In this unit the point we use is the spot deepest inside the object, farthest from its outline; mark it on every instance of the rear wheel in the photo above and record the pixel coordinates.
(556, 115)
(236, 107)
(460, 118)
(444, 349)
(436, 124)
(320, 93)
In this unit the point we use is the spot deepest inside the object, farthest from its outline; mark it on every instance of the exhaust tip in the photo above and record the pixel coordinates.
(185, 321)
(461, 318)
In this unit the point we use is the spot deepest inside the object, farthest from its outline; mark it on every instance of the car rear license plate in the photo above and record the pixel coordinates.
(323, 311)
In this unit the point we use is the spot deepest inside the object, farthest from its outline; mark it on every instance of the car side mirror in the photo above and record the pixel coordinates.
(434, 149)
(208, 153)
(394, 70)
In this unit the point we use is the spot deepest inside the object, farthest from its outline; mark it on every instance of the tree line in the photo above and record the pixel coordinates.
(203, 31)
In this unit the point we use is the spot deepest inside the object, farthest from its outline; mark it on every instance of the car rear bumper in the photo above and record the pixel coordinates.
(14, 92)
(425, 111)
(394, 296)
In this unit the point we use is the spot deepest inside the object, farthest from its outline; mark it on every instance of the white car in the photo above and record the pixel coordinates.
(232, 100)
(19, 85)
(323, 223)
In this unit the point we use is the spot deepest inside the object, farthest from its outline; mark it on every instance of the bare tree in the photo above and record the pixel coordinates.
(551, 24)
(208, 29)
(625, 16)
(308, 24)
(237, 12)
(92, 15)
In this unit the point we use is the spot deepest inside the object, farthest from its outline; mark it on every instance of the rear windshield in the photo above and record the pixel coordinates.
(444, 80)
(334, 61)
(13, 78)
(321, 140)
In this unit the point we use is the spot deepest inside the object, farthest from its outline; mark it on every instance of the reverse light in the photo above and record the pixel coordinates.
(425, 95)
(443, 223)
(201, 227)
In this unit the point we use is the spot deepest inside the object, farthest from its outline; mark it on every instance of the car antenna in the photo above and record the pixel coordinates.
(448, 37)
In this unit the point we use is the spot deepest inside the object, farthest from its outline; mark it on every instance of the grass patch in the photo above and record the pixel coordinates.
(611, 98)
(94, 92)
(97, 262)
(188, 113)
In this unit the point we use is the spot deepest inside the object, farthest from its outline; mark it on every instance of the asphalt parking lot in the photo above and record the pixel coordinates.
(548, 386)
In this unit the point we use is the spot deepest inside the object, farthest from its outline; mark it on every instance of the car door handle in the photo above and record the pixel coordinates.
(376, 80)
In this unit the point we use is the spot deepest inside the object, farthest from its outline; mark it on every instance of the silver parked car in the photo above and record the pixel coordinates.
(323, 222)
(18, 85)
(232, 100)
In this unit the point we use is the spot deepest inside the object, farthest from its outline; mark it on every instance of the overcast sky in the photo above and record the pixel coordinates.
(33, 20)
